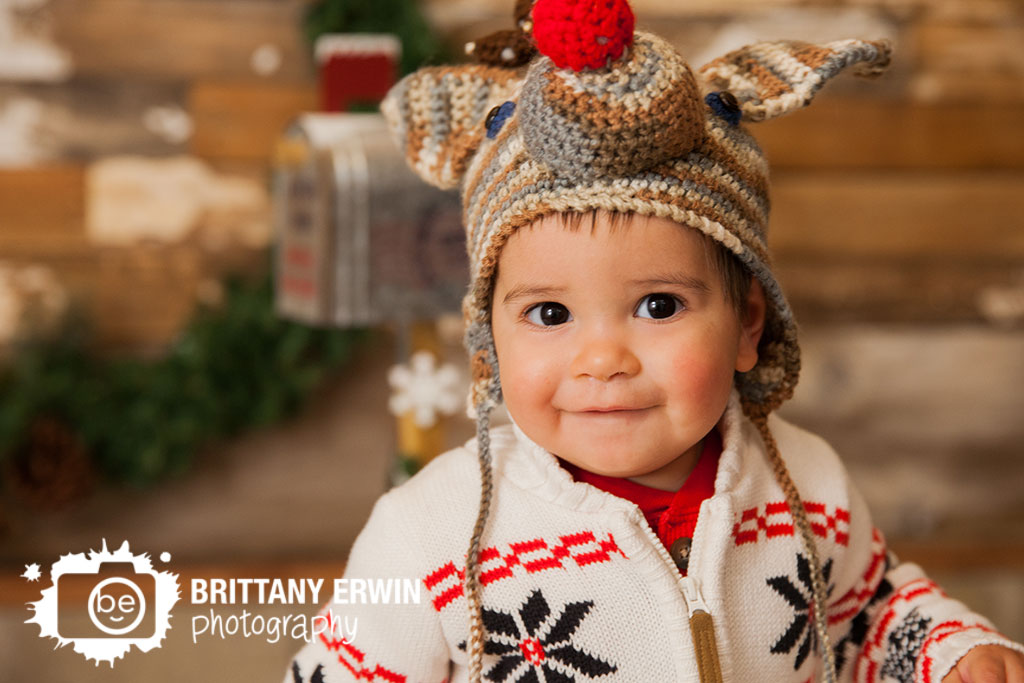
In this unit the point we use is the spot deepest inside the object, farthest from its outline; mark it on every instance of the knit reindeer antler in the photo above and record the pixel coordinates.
(774, 78)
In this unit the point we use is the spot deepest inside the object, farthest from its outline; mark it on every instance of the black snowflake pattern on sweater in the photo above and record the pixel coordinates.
(543, 644)
(317, 677)
(904, 646)
(800, 596)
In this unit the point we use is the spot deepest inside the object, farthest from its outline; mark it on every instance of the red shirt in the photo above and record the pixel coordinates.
(673, 516)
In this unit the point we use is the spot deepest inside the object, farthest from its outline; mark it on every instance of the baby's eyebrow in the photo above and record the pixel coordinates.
(685, 281)
(522, 291)
(681, 280)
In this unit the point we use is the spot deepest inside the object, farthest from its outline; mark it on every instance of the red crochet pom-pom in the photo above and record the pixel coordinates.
(582, 34)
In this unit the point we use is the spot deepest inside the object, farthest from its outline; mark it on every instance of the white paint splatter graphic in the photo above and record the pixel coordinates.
(31, 572)
(128, 603)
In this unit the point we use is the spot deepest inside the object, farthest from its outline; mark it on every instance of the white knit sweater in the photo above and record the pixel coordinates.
(577, 587)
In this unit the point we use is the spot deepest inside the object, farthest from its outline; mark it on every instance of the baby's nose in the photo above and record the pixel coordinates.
(605, 357)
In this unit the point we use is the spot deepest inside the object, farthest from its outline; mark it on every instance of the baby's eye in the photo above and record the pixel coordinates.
(659, 306)
(548, 314)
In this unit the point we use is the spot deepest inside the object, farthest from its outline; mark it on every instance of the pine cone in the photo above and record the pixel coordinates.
(51, 469)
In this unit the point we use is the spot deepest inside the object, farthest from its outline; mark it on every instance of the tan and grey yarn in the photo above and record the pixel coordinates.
(582, 127)
(645, 135)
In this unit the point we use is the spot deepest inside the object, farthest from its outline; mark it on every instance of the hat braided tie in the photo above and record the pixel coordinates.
(472, 580)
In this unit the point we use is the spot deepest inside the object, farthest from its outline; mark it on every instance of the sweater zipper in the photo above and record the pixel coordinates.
(702, 630)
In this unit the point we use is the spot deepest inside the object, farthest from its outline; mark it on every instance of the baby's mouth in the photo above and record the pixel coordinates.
(611, 410)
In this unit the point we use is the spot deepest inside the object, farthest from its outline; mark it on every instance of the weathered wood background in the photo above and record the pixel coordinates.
(898, 229)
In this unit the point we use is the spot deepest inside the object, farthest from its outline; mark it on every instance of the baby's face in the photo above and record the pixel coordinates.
(617, 349)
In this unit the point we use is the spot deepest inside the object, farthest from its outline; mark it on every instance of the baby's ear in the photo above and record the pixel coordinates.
(436, 116)
(774, 78)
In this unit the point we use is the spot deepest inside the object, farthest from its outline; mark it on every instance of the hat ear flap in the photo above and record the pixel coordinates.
(774, 78)
(437, 116)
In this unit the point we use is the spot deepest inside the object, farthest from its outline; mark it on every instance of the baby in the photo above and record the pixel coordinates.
(645, 517)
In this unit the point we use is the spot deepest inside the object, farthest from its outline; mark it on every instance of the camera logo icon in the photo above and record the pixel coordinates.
(116, 600)
(104, 603)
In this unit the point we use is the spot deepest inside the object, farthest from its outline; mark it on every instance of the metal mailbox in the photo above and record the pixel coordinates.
(361, 239)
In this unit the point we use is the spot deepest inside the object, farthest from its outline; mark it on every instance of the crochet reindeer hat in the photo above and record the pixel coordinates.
(608, 118)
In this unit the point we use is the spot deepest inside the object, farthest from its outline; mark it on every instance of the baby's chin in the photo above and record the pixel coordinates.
(613, 465)
(611, 450)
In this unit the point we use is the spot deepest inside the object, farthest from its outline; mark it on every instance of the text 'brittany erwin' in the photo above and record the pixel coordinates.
(265, 591)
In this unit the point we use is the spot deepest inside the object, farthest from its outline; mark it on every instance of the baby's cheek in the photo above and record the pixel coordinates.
(527, 379)
(701, 374)
(540, 384)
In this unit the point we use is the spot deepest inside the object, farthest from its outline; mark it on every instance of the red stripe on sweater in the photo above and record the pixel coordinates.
(530, 557)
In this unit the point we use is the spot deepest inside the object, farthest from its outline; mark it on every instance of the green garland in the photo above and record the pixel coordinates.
(234, 368)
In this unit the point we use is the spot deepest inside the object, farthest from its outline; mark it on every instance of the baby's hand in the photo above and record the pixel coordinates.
(988, 664)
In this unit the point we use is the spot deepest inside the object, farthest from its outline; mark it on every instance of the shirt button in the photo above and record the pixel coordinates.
(680, 552)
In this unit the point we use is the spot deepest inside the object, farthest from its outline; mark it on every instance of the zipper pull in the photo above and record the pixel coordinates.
(694, 600)
(702, 630)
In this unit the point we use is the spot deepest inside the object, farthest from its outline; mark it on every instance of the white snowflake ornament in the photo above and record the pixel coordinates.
(424, 389)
